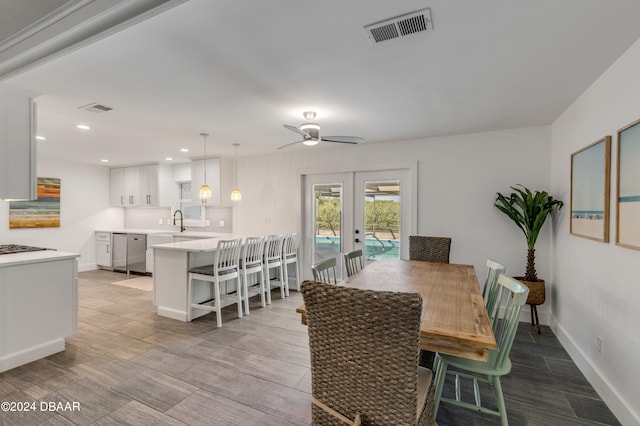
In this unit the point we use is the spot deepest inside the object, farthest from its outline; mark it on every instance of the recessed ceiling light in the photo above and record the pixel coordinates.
(41, 138)
(168, 158)
(83, 127)
(184, 150)
(104, 160)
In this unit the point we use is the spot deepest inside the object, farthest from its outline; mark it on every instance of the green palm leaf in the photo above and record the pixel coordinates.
(528, 210)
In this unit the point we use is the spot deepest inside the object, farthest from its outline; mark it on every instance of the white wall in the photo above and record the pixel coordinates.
(84, 207)
(597, 291)
(458, 177)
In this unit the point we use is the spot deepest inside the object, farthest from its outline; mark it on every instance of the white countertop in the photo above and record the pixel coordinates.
(200, 245)
(188, 234)
(135, 231)
(34, 257)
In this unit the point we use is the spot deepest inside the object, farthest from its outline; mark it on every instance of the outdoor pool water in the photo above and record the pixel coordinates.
(374, 248)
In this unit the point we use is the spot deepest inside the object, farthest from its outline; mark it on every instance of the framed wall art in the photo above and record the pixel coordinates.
(628, 188)
(590, 182)
(43, 212)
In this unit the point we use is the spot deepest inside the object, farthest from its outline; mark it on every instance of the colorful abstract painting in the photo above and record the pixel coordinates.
(43, 212)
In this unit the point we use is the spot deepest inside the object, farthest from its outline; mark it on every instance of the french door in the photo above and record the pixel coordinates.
(370, 210)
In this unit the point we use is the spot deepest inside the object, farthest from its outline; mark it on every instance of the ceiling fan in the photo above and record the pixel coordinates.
(310, 133)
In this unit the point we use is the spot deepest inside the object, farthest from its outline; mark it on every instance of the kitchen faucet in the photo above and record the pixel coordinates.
(182, 228)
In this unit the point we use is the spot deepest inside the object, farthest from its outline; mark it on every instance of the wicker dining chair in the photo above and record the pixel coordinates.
(429, 249)
(364, 357)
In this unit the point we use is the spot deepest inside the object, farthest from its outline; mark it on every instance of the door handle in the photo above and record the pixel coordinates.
(357, 240)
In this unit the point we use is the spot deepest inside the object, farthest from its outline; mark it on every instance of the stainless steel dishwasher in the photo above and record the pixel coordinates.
(137, 253)
(119, 252)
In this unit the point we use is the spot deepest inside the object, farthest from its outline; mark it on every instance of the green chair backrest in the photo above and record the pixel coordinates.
(325, 270)
(514, 293)
(353, 262)
(491, 289)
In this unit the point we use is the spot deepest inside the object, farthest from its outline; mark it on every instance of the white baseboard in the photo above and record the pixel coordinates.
(172, 313)
(525, 316)
(87, 267)
(26, 356)
(616, 403)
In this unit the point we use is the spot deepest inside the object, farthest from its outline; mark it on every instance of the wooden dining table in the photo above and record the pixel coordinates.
(454, 317)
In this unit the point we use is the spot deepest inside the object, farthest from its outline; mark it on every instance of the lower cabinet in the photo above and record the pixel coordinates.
(103, 249)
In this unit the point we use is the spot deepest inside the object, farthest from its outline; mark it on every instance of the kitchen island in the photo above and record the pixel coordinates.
(171, 265)
(38, 305)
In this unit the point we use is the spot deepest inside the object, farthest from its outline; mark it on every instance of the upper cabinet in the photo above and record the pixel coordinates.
(141, 186)
(17, 144)
(213, 180)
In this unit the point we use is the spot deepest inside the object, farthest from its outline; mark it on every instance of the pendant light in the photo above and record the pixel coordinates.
(205, 191)
(236, 195)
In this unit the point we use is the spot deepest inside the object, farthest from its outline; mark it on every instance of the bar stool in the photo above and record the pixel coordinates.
(251, 263)
(271, 259)
(225, 267)
(289, 256)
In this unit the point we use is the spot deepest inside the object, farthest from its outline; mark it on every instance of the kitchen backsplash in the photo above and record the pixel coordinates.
(149, 218)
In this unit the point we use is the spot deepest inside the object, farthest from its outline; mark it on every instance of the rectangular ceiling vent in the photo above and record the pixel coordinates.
(95, 107)
(400, 26)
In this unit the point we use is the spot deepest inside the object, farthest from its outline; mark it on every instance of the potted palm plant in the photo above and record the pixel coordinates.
(529, 210)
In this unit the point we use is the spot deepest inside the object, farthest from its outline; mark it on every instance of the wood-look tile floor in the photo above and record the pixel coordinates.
(127, 366)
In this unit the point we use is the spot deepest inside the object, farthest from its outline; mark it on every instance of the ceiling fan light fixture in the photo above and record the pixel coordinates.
(308, 126)
(311, 129)
(310, 142)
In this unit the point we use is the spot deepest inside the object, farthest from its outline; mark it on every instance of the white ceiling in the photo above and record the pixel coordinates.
(240, 69)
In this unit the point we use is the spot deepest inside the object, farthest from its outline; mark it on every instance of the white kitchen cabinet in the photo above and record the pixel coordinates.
(117, 187)
(149, 185)
(132, 186)
(103, 249)
(213, 180)
(17, 144)
(141, 186)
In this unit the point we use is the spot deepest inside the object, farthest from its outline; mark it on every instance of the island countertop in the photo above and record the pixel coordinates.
(34, 257)
(199, 245)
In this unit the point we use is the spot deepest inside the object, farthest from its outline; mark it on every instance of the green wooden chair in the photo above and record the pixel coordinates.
(325, 270)
(353, 262)
(491, 289)
(515, 295)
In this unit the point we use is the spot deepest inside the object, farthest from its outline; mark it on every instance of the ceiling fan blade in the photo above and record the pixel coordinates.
(298, 131)
(289, 144)
(342, 139)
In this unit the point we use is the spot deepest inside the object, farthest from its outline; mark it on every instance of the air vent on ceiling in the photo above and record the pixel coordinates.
(95, 107)
(400, 26)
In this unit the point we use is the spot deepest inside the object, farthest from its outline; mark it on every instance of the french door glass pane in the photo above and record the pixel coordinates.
(382, 220)
(327, 222)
